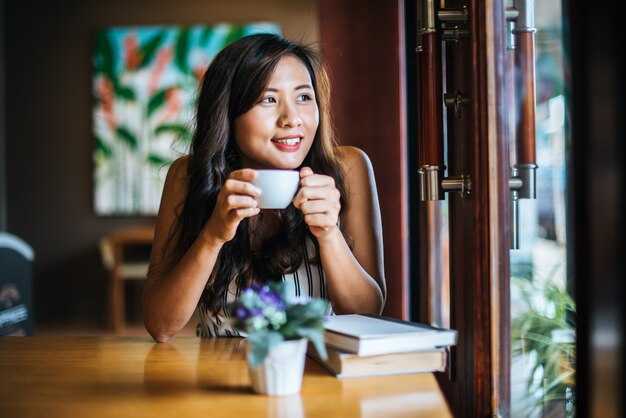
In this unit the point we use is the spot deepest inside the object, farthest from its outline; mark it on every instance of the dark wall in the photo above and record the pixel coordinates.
(363, 44)
(47, 62)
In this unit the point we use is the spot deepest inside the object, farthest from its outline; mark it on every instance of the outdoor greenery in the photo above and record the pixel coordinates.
(544, 332)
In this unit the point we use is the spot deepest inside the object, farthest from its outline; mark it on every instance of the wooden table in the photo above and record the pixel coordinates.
(186, 377)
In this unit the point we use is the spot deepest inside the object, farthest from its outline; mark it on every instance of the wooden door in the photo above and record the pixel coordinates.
(476, 148)
(364, 44)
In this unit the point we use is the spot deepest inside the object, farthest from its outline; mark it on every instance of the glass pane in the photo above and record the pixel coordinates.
(542, 329)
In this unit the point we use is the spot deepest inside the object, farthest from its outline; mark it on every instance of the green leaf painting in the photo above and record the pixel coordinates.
(145, 81)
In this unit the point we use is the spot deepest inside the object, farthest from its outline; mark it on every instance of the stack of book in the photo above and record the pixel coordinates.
(368, 345)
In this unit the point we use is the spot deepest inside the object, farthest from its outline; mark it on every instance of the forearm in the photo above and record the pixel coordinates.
(171, 298)
(351, 288)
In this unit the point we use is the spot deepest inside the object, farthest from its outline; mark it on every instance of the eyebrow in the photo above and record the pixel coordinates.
(300, 87)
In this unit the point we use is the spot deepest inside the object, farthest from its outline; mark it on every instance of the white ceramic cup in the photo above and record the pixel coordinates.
(278, 187)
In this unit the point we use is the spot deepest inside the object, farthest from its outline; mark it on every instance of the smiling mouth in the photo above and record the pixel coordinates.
(290, 141)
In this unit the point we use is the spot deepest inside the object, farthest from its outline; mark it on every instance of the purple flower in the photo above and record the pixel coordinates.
(266, 312)
(271, 298)
(256, 312)
(241, 313)
(256, 287)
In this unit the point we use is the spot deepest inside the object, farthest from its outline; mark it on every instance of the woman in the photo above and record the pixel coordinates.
(263, 103)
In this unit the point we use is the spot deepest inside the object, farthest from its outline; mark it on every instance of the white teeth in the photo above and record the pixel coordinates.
(292, 141)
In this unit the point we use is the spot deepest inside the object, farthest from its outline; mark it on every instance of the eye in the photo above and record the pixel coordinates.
(268, 99)
(304, 97)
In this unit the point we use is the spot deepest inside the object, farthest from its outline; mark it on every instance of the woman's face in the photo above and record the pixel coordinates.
(278, 131)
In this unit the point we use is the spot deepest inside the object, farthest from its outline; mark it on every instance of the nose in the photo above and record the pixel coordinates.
(289, 116)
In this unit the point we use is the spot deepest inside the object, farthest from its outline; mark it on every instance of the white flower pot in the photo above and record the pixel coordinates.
(281, 371)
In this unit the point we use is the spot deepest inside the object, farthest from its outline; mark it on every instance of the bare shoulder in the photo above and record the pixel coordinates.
(175, 187)
(176, 178)
(178, 169)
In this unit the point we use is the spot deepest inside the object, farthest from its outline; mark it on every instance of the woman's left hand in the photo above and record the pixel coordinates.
(318, 199)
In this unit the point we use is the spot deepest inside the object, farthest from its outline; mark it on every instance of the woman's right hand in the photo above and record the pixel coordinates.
(235, 202)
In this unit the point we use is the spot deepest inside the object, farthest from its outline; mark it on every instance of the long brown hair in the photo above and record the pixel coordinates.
(232, 84)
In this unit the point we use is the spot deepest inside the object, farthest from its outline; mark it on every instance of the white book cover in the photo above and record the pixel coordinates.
(369, 335)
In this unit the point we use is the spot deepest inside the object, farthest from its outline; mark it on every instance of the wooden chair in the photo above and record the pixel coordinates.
(113, 249)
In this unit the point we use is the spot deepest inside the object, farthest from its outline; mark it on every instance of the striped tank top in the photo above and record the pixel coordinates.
(307, 280)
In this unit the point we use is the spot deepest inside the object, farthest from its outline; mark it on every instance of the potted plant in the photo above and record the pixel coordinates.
(278, 328)
(544, 332)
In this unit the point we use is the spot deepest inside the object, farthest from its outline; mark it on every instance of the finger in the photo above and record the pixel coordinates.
(319, 206)
(237, 201)
(244, 174)
(315, 193)
(246, 212)
(305, 172)
(320, 220)
(317, 180)
(299, 199)
(233, 186)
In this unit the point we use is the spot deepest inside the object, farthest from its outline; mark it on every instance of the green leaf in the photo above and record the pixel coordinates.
(310, 312)
(234, 33)
(127, 137)
(124, 92)
(103, 148)
(173, 128)
(157, 160)
(261, 342)
(105, 55)
(546, 307)
(182, 50)
(178, 130)
(156, 101)
(96, 101)
(309, 315)
(149, 49)
(206, 35)
(317, 338)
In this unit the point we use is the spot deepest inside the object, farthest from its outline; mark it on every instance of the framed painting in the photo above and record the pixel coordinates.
(145, 81)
